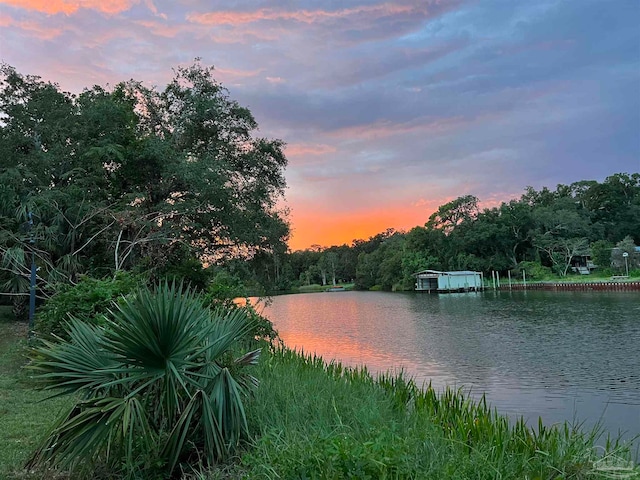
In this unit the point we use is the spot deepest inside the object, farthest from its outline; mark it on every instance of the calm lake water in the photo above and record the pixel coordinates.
(558, 355)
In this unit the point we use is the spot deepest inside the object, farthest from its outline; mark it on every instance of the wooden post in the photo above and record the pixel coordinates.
(524, 279)
(509, 273)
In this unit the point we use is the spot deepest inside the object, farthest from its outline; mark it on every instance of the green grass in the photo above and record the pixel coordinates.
(315, 420)
(24, 418)
(315, 287)
(570, 278)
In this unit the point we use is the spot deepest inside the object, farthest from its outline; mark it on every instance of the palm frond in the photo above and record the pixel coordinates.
(161, 368)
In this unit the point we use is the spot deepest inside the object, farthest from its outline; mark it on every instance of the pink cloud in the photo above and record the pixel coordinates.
(304, 16)
(275, 80)
(237, 73)
(33, 29)
(68, 7)
(389, 129)
(300, 149)
(162, 29)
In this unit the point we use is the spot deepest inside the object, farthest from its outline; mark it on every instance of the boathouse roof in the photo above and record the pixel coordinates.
(439, 273)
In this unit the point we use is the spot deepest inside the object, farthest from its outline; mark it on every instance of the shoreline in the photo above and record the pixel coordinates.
(603, 286)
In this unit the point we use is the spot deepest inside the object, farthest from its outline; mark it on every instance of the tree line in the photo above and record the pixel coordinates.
(541, 232)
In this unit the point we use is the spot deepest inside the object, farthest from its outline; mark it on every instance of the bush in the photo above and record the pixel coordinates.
(88, 300)
(534, 271)
(224, 287)
(156, 386)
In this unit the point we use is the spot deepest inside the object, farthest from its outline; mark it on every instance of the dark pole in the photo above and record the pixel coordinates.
(32, 289)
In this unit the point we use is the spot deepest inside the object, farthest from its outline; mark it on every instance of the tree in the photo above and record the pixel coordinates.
(625, 246)
(328, 265)
(562, 233)
(128, 177)
(451, 214)
(601, 253)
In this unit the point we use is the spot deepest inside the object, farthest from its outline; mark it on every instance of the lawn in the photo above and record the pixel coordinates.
(24, 417)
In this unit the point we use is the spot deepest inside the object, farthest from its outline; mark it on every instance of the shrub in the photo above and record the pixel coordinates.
(156, 385)
(224, 287)
(88, 300)
(534, 271)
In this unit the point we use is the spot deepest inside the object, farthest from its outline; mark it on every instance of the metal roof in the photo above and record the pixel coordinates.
(437, 272)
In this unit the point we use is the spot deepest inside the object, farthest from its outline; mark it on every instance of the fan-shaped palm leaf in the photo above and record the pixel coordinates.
(155, 371)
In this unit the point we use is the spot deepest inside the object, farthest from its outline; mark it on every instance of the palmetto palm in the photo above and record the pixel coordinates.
(152, 380)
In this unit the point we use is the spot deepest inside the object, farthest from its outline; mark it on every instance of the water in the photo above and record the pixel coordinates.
(559, 355)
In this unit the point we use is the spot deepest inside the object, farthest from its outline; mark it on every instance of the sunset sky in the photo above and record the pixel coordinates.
(388, 108)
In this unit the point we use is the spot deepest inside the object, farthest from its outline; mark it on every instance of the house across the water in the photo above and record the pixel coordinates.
(444, 282)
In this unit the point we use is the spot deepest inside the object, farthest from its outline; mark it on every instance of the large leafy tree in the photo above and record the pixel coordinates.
(131, 176)
(452, 213)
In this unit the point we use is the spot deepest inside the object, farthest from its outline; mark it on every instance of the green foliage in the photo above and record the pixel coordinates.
(550, 228)
(225, 286)
(601, 253)
(184, 268)
(451, 214)
(320, 420)
(533, 271)
(25, 414)
(132, 178)
(157, 385)
(89, 300)
(311, 419)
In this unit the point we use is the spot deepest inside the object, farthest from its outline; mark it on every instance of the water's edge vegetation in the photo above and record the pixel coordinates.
(337, 422)
(315, 419)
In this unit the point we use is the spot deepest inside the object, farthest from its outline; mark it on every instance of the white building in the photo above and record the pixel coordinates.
(435, 281)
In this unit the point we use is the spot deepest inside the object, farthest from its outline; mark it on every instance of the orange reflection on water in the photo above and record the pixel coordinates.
(337, 326)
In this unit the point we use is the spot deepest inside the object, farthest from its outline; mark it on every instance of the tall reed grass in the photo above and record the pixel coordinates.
(315, 419)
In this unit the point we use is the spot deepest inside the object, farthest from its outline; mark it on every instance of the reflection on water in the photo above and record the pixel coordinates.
(559, 355)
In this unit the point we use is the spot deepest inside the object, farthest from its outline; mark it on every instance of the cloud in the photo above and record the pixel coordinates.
(371, 12)
(383, 129)
(68, 7)
(308, 149)
(32, 28)
(275, 80)
(383, 105)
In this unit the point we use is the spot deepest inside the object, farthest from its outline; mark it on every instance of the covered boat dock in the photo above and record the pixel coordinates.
(434, 281)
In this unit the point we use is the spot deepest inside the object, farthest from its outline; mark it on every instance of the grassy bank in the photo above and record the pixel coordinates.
(309, 419)
(634, 275)
(313, 420)
(315, 287)
(24, 418)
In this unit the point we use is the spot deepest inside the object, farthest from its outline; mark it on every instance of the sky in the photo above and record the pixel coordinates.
(388, 108)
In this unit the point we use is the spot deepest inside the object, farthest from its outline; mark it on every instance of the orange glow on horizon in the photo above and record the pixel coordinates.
(326, 228)
(315, 226)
